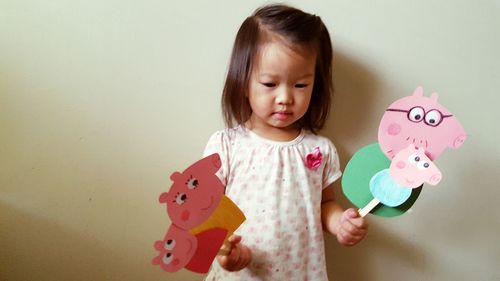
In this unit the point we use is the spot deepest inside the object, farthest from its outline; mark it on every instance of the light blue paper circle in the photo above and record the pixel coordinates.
(387, 191)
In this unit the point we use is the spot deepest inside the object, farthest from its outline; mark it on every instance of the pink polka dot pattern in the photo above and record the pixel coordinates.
(281, 199)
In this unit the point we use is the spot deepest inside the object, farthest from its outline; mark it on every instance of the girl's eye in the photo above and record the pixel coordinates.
(416, 114)
(413, 159)
(192, 183)
(300, 86)
(167, 258)
(169, 245)
(269, 85)
(181, 198)
(422, 165)
(433, 118)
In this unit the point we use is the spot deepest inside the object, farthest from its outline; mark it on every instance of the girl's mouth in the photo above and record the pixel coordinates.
(282, 115)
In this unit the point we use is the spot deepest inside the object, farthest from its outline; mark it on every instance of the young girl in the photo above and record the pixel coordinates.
(275, 168)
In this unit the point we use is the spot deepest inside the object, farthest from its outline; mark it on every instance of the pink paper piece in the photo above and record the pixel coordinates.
(421, 121)
(176, 249)
(195, 193)
(209, 243)
(411, 168)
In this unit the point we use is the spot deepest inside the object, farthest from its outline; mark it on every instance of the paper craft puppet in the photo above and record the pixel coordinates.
(409, 169)
(195, 194)
(176, 249)
(422, 121)
(202, 218)
(413, 132)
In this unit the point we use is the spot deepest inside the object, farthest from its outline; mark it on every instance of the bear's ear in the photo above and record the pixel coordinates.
(434, 97)
(156, 260)
(175, 176)
(419, 91)
(163, 197)
(159, 245)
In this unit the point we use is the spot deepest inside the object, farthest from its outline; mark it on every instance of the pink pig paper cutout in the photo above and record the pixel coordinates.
(421, 121)
(176, 249)
(180, 249)
(411, 168)
(195, 193)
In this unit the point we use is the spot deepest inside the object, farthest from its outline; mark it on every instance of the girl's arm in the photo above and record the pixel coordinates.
(347, 226)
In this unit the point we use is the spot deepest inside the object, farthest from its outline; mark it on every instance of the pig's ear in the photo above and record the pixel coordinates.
(209, 164)
(175, 176)
(216, 160)
(434, 97)
(419, 91)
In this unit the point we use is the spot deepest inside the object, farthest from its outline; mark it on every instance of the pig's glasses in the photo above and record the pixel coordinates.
(417, 114)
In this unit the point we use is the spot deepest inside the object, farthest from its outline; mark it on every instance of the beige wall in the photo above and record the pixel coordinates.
(101, 100)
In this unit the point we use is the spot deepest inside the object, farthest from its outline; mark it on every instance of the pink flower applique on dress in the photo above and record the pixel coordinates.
(314, 159)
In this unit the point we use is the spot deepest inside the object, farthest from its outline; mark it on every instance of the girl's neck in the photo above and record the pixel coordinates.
(274, 133)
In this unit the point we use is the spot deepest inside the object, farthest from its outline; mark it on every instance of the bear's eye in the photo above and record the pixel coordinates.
(167, 258)
(169, 245)
(192, 183)
(416, 114)
(180, 198)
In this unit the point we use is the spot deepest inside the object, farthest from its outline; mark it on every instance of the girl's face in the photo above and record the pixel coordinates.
(280, 89)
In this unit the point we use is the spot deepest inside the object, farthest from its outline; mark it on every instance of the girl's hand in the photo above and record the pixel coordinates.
(238, 257)
(352, 228)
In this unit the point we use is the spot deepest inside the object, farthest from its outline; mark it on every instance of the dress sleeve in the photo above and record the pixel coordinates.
(219, 143)
(331, 171)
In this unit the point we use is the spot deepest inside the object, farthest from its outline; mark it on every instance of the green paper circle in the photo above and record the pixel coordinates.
(364, 164)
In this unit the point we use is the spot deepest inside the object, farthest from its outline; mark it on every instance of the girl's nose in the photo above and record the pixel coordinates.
(284, 97)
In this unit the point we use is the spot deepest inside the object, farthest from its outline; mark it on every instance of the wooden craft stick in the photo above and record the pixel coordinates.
(366, 209)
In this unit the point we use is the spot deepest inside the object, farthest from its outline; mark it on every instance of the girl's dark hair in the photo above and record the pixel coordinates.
(296, 28)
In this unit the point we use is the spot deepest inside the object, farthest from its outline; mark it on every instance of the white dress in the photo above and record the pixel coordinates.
(281, 199)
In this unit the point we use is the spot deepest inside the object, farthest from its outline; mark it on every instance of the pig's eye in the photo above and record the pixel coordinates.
(167, 258)
(423, 165)
(433, 118)
(192, 183)
(180, 198)
(169, 245)
(416, 114)
(413, 159)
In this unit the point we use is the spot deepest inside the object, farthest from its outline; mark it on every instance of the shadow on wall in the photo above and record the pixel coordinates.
(351, 122)
(352, 113)
(34, 248)
(351, 116)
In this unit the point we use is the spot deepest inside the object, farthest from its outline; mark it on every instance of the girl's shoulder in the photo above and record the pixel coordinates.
(228, 134)
(317, 140)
